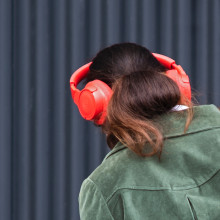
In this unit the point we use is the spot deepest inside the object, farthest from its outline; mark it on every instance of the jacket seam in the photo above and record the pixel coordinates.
(191, 132)
(162, 188)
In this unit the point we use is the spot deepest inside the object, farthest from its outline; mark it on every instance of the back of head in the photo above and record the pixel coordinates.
(122, 59)
(141, 91)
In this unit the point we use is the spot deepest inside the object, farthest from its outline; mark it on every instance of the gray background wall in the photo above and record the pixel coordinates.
(46, 148)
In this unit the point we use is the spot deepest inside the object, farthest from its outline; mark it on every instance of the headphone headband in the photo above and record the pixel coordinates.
(80, 74)
(170, 64)
(164, 60)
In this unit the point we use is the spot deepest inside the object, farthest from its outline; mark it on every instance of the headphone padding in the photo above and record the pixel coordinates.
(93, 101)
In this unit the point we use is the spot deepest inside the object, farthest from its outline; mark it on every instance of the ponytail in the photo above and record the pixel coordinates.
(137, 99)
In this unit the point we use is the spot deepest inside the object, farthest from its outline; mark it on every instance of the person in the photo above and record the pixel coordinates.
(165, 153)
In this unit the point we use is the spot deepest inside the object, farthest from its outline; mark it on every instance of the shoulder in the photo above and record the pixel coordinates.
(91, 202)
(109, 174)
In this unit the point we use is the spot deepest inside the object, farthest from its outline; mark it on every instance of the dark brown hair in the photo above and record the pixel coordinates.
(141, 92)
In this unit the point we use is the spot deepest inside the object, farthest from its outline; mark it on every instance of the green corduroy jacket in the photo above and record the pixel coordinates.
(184, 184)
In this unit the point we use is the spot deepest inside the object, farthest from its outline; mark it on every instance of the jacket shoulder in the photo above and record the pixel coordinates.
(92, 205)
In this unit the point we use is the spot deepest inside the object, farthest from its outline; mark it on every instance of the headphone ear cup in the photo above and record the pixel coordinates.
(93, 101)
(182, 81)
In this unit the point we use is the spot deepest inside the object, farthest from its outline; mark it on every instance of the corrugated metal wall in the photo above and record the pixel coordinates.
(46, 149)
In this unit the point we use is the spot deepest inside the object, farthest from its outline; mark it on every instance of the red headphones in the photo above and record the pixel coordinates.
(92, 101)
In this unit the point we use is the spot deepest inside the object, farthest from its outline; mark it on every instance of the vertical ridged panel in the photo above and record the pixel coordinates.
(214, 65)
(6, 106)
(46, 148)
(148, 24)
(201, 43)
(23, 115)
(166, 21)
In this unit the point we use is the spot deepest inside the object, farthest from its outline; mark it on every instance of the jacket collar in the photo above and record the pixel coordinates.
(172, 124)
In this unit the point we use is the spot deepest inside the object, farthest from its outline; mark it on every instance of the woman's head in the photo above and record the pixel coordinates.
(141, 91)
